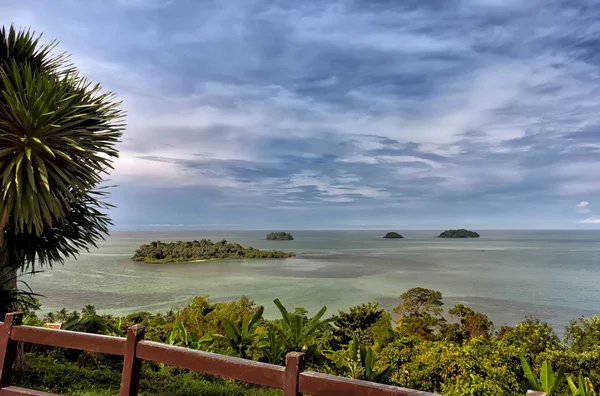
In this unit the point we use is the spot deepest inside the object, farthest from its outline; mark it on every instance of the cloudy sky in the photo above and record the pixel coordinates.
(344, 114)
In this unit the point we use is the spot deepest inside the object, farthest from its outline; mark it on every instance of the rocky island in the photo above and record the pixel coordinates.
(158, 252)
(461, 233)
(279, 236)
(393, 235)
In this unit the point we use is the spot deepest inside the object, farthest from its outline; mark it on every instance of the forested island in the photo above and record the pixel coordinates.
(461, 233)
(172, 252)
(279, 236)
(393, 235)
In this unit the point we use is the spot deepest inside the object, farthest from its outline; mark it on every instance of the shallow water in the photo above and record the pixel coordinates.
(553, 275)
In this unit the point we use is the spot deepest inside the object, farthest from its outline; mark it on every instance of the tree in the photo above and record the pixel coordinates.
(472, 324)
(57, 137)
(357, 323)
(420, 312)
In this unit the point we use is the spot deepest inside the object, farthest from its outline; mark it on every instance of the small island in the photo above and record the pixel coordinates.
(393, 235)
(280, 236)
(461, 233)
(158, 252)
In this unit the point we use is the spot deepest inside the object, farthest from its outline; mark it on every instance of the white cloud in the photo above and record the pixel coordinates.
(582, 207)
(590, 220)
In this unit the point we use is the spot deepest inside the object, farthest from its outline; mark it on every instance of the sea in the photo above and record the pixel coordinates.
(553, 275)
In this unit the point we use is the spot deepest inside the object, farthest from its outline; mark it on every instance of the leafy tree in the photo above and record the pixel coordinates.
(420, 312)
(472, 324)
(531, 336)
(357, 323)
(57, 141)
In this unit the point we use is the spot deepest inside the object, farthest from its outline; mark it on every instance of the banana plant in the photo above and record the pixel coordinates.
(296, 335)
(241, 339)
(548, 382)
(272, 346)
(583, 387)
(360, 362)
(178, 331)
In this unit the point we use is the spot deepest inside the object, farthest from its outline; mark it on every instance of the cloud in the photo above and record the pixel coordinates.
(590, 220)
(582, 207)
(338, 109)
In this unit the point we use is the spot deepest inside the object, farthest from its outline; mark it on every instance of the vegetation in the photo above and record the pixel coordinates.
(279, 236)
(461, 233)
(423, 351)
(171, 252)
(58, 135)
(393, 235)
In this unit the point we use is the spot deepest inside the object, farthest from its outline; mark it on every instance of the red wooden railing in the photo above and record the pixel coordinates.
(292, 378)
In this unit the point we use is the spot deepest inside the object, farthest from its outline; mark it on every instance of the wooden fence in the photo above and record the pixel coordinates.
(292, 378)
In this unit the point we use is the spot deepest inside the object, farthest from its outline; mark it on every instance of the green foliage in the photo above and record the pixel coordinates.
(170, 252)
(47, 373)
(420, 312)
(548, 382)
(583, 387)
(90, 322)
(358, 323)
(457, 359)
(201, 316)
(360, 362)
(297, 332)
(472, 324)
(393, 235)
(241, 339)
(279, 236)
(58, 134)
(531, 336)
(460, 233)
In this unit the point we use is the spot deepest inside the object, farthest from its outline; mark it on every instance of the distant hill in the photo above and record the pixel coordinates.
(172, 252)
(393, 235)
(280, 236)
(460, 233)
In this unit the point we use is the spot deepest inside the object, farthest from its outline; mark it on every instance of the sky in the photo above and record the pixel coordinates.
(321, 114)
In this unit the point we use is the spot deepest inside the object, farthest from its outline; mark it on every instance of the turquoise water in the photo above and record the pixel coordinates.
(553, 275)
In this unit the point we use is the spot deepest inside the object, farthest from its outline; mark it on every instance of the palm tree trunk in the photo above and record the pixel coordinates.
(19, 363)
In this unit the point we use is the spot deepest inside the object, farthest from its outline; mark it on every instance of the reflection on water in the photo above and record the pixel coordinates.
(554, 275)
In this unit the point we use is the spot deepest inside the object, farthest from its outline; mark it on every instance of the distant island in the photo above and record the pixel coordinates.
(172, 252)
(393, 235)
(461, 233)
(279, 236)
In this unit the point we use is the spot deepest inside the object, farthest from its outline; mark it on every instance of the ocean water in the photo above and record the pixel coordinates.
(552, 275)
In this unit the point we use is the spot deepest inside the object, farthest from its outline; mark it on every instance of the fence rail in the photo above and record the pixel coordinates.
(292, 378)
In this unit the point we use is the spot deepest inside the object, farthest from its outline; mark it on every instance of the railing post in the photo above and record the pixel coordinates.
(130, 379)
(535, 393)
(294, 365)
(8, 347)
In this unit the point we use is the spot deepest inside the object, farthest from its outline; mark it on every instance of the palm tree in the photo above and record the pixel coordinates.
(88, 310)
(57, 141)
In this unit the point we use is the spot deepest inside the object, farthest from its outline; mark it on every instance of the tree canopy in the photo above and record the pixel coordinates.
(393, 235)
(279, 236)
(58, 135)
(170, 252)
(460, 233)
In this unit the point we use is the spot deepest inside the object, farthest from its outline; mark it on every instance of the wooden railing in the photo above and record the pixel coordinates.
(292, 378)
